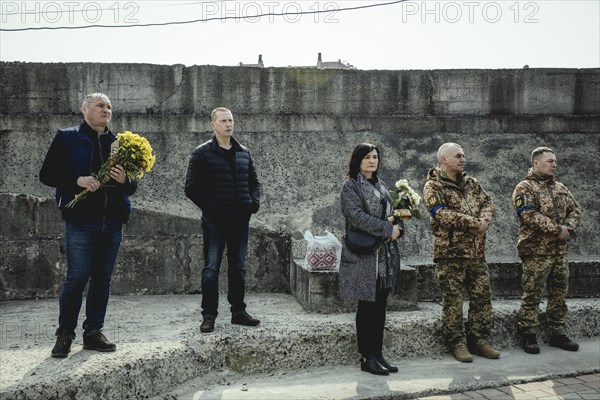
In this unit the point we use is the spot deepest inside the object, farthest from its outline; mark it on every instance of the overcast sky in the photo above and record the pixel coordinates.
(409, 35)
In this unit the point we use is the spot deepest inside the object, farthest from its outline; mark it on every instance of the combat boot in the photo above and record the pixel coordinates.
(482, 348)
(563, 342)
(461, 353)
(530, 344)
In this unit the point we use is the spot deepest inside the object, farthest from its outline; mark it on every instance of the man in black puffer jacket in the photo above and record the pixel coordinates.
(222, 181)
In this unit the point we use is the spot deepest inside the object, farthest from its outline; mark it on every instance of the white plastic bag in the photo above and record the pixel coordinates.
(323, 253)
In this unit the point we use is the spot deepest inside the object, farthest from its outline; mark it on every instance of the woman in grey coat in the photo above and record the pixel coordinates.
(369, 278)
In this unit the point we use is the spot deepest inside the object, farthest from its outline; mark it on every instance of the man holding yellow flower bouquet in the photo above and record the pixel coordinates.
(93, 220)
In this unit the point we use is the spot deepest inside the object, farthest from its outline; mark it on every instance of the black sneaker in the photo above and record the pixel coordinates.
(63, 345)
(243, 318)
(563, 342)
(99, 342)
(208, 324)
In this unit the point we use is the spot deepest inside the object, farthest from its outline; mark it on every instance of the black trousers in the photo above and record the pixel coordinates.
(370, 322)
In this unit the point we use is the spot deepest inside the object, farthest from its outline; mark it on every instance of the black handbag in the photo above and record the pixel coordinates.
(360, 242)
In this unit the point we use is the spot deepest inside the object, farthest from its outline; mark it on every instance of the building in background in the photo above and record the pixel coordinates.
(259, 65)
(339, 64)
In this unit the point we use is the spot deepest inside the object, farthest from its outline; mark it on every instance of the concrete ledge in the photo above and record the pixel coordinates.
(505, 279)
(160, 253)
(176, 89)
(317, 291)
(159, 344)
(268, 123)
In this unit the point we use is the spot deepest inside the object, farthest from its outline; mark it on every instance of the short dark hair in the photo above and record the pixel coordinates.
(358, 154)
(536, 153)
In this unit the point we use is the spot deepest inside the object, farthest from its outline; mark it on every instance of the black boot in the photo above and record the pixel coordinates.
(371, 365)
(563, 342)
(530, 344)
(384, 363)
(63, 345)
(243, 318)
(98, 342)
(208, 324)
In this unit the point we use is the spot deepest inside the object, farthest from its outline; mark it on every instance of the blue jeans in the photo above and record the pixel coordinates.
(235, 235)
(92, 250)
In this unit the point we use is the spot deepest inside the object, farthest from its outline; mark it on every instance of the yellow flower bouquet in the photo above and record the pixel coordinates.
(406, 202)
(131, 151)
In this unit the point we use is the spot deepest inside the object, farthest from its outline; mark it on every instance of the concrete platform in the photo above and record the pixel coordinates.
(317, 291)
(416, 378)
(160, 346)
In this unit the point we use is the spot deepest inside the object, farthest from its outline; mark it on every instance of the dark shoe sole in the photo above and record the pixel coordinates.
(100, 350)
(60, 355)
(207, 329)
(245, 323)
(532, 351)
(365, 369)
(484, 356)
(464, 361)
(489, 358)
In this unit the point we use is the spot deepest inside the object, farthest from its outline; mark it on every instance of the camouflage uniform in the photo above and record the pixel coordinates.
(542, 205)
(456, 208)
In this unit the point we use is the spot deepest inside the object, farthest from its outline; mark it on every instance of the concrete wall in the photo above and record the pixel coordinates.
(302, 124)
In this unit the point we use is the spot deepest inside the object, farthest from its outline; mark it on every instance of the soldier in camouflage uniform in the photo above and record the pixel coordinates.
(548, 216)
(461, 212)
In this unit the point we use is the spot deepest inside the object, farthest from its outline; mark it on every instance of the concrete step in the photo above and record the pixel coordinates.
(416, 378)
(160, 346)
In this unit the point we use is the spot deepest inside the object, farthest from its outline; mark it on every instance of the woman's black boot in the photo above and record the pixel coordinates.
(383, 362)
(370, 364)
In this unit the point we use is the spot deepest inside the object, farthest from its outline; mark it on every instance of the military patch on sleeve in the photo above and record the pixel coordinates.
(520, 200)
(522, 203)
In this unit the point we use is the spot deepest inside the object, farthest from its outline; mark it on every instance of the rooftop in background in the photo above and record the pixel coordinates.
(259, 65)
(339, 64)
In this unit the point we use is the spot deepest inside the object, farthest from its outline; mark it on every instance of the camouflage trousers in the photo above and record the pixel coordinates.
(454, 277)
(540, 273)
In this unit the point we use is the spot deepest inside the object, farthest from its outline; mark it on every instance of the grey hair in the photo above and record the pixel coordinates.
(213, 114)
(93, 96)
(444, 149)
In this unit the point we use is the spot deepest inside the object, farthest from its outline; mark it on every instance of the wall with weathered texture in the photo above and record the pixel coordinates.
(302, 124)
